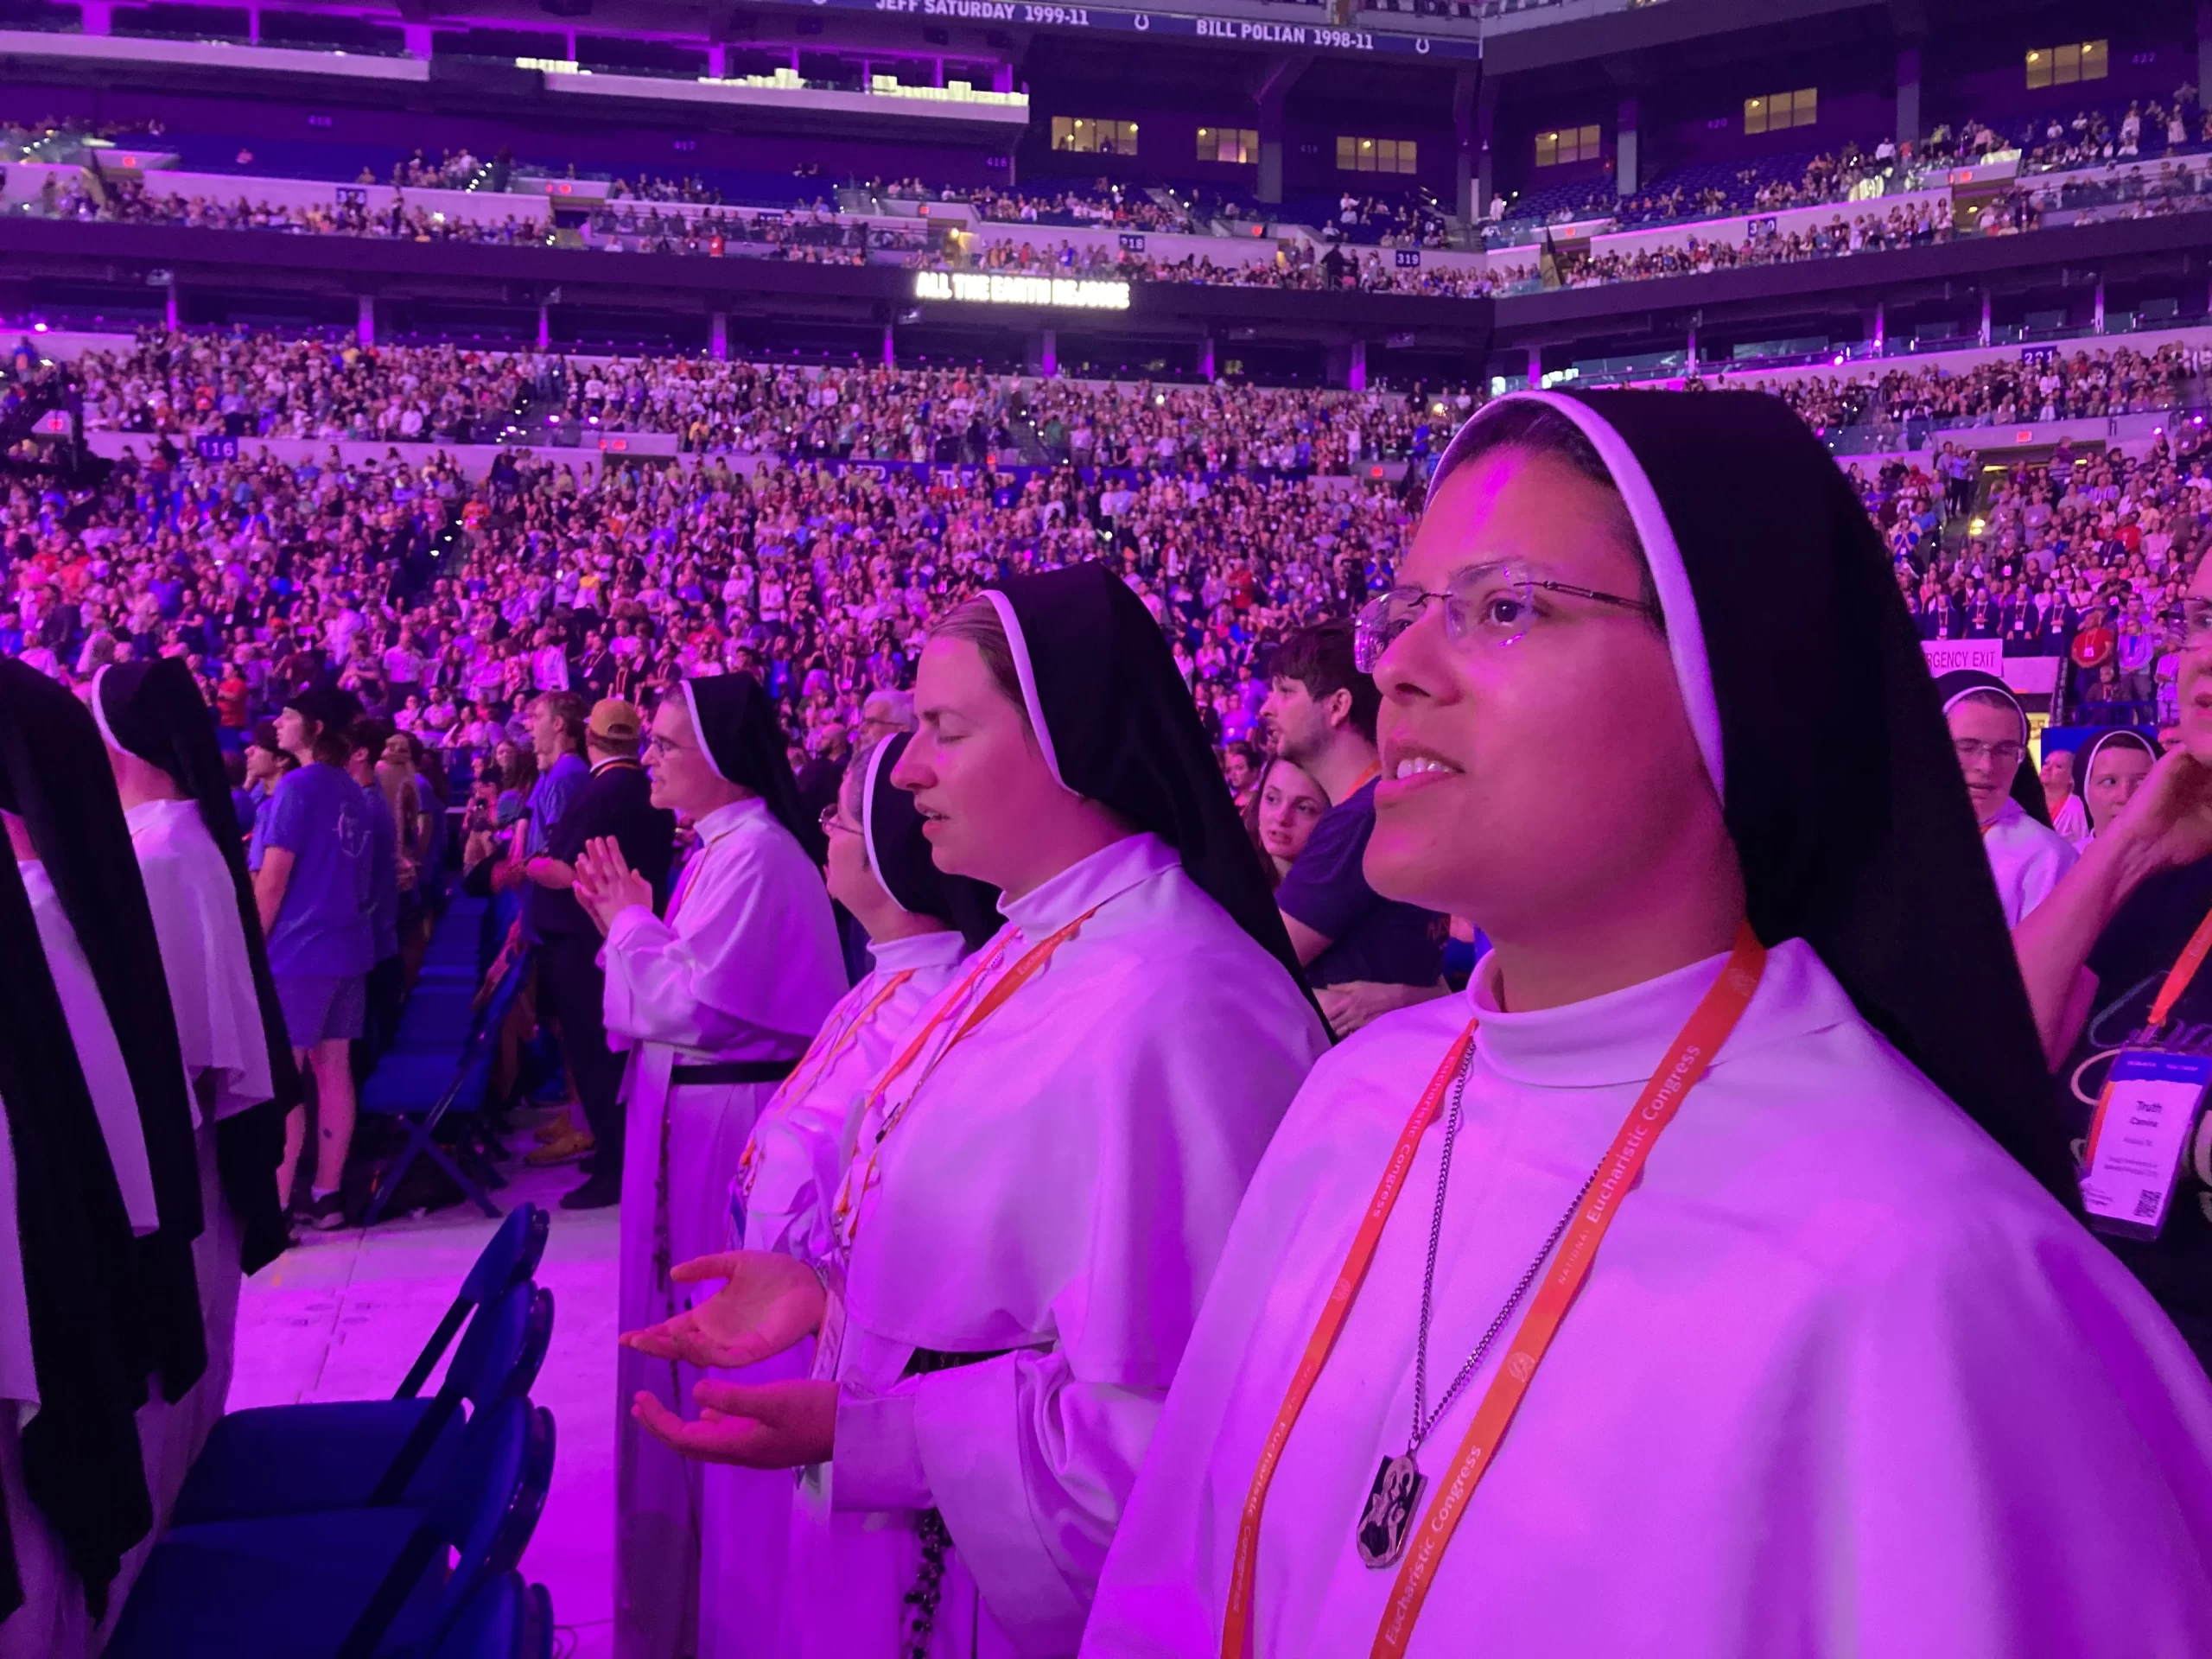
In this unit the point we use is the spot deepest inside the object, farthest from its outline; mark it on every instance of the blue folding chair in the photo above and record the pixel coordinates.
(510, 1257)
(504, 1619)
(418, 1082)
(356, 1583)
(351, 1454)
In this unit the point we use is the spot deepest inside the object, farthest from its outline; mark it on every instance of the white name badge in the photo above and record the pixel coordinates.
(2149, 1107)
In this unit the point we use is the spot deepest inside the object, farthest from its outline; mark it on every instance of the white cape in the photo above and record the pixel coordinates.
(801, 1143)
(1059, 1188)
(1843, 1380)
(745, 968)
(204, 953)
(2025, 858)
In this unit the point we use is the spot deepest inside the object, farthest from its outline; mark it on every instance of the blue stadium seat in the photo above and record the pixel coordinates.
(419, 1081)
(298, 1460)
(356, 1583)
(511, 1256)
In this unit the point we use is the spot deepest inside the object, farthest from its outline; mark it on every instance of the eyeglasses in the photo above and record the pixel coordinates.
(832, 819)
(658, 745)
(1971, 752)
(1494, 602)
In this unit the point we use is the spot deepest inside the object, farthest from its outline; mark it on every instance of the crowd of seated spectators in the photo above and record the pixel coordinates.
(1117, 206)
(2089, 539)
(446, 603)
(1902, 226)
(2083, 385)
(453, 170)
(815, 236)
(2098, 137)
(646, 188)
(128, 202)
(266, 385)
(1389, 222)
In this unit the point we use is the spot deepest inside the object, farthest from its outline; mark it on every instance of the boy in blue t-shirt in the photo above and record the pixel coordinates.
(314, 892)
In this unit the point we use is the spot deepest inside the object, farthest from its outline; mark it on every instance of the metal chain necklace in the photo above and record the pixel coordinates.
(1395, 1496)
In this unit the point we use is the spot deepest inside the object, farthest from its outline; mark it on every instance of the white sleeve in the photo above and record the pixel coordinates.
(2053, 858)
(689, 990)
(1032, 1512)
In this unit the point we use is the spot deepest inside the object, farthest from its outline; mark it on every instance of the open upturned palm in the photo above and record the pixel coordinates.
(768, 1302)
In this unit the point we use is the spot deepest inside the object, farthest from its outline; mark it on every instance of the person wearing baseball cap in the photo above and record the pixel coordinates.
(616, 800)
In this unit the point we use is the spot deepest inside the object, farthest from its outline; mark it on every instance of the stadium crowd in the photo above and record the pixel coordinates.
(2068, 386)
(268, 386)
(820, 573)
(2090, 553)
(445, 604)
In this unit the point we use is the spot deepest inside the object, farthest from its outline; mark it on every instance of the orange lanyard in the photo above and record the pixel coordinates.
(860, 1174)
(690, 879)
(810, 1070)
(2184, 971)
(1708, 1028)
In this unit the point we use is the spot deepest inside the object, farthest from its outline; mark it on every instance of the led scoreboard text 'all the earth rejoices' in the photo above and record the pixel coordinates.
(975, 286)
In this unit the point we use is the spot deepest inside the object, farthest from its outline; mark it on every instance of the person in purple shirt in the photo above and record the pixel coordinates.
(316, 893)
(386, 987)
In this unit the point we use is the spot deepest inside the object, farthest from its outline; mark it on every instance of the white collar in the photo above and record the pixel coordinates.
(1622, 1036)
(917, 950)
(1090, 882)
(723, 819)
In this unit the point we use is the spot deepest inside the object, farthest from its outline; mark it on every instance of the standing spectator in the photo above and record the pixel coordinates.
(1240, 769)
(386, 990)
(556, 739)
(1280, 815)
(1321, 711)
(616, 801)
(314, 890)
(819, 779)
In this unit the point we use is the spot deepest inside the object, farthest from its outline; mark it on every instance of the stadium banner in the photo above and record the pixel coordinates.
(1948, 656)
(1316, 38)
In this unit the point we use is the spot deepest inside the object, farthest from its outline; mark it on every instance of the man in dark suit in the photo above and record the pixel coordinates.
(615, 800)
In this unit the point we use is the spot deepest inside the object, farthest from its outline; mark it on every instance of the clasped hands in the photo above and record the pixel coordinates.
(604, 885)
(768, 1302)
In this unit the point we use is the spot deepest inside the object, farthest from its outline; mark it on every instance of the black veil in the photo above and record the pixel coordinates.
(1824, 736)
(736, 722)
(899, 854)
(1118, 725)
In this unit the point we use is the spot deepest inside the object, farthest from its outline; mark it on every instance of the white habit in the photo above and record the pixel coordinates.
(220, 1029)
(1056, 1195)
(2026, 858)
(800, 1145)
(1842, 1380)
(744, 969)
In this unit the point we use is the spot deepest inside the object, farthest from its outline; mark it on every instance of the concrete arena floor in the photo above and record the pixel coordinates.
(342, 1316)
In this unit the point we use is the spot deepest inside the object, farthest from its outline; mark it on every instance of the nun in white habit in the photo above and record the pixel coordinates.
(1701, 1283)
(714, 1004)
(169, 773)
(1989, 733)
(1046, 1166)
(920, 923)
